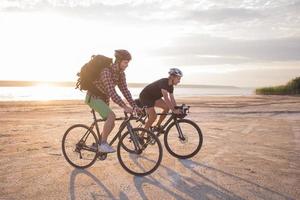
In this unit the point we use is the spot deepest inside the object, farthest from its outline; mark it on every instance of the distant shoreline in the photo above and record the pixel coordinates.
(290, 88)
(72, 84)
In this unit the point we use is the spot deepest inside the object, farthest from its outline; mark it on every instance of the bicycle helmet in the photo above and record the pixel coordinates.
(122, 54)
(175, 71)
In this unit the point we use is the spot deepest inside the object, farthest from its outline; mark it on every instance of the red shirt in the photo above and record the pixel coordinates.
(106, 83)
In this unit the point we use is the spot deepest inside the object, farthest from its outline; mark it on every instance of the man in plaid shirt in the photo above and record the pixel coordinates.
(106, 82)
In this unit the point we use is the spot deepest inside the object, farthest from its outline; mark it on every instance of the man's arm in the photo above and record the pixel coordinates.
(109, 87)
(165, 94)
(124, 89)
(172, 99)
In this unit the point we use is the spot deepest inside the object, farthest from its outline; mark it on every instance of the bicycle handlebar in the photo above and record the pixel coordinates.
(184, 108)
(133, 115)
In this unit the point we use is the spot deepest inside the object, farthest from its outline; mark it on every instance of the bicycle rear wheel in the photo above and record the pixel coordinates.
(139, 162)
(186, 145)
(77, 145)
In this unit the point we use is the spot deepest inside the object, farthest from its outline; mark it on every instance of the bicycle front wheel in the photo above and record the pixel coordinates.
(183, 139)
(78, 146)
(139, 161)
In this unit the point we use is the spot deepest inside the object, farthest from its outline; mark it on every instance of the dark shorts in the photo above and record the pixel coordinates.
(147, 101)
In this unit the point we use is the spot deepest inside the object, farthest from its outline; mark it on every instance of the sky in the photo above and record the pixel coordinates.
(246, 43)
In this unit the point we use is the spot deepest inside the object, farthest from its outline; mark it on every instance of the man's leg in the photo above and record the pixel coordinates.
(108, 126)
(106, 113)
(161, 104)
(151, 117)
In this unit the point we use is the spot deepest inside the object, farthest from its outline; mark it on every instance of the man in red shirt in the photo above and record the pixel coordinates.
(106, 82)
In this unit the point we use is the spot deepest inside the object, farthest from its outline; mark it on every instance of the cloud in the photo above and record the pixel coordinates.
(157, 11)
(205, 31)
(127, 12)
(223, 15)
(200, 49)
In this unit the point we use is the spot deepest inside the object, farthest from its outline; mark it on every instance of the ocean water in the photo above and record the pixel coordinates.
(69, 93)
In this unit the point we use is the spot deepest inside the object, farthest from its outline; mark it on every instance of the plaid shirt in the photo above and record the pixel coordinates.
(106, 83)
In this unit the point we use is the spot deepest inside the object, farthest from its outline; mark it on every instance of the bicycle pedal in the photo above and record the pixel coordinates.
(102, 156)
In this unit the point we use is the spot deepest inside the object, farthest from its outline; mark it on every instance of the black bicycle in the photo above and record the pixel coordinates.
(182, 137)
(80, 149)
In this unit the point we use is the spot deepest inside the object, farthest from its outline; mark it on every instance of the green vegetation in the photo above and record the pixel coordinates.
(291, 88)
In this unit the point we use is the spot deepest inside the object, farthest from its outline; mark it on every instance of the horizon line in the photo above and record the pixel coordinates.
(26, 83)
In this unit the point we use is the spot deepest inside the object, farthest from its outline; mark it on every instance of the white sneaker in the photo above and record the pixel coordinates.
(106, 148)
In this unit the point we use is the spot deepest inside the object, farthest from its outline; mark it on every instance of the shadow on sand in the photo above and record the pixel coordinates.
(109, 194)
(181, 187)
(257, 190)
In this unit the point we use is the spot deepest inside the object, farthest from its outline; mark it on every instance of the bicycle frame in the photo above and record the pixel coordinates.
(171, 118)
(124, 124)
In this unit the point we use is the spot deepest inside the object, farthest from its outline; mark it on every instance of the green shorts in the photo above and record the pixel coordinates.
(98, 105)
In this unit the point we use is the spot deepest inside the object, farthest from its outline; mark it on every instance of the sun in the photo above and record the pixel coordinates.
(43, 91)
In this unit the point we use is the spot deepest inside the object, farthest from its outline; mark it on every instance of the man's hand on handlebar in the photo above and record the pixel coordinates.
(138, 110)
(177, 111)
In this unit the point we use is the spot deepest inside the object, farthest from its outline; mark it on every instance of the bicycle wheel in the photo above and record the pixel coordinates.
(77, 146)
(186, 146)
(139, 162)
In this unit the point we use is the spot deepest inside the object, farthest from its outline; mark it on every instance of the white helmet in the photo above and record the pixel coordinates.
(175, 71)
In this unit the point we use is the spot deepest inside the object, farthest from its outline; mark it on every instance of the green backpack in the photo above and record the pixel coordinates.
(90, 71)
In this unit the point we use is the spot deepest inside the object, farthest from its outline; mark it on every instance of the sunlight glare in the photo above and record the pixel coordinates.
(43, 91)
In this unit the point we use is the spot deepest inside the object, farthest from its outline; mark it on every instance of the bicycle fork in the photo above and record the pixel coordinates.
(180, 136)
(134, 138)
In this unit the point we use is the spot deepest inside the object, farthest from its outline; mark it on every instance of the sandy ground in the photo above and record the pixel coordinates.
(251, 150)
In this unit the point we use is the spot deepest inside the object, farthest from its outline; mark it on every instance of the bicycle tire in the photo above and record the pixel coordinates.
(170, 147)
(67, 157)
(123, 162)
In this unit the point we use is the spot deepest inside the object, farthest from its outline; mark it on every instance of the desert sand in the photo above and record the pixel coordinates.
(251, 150)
